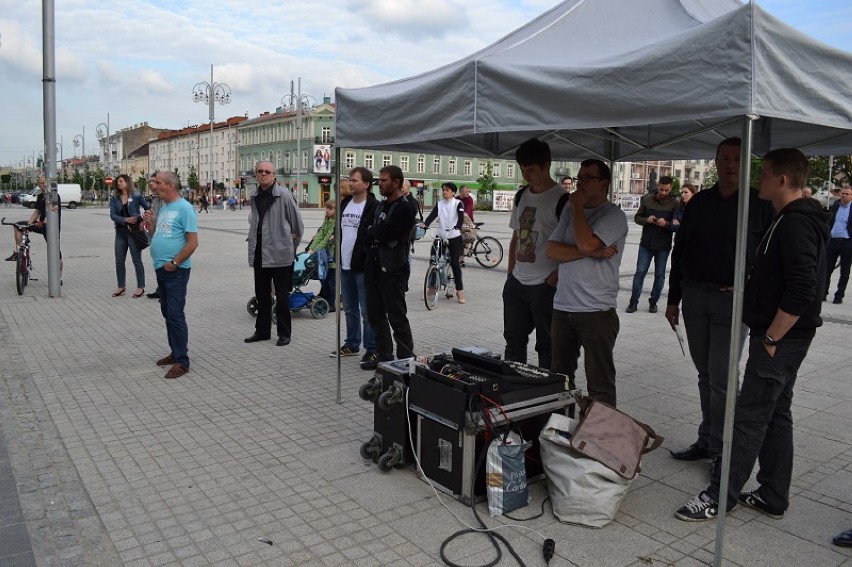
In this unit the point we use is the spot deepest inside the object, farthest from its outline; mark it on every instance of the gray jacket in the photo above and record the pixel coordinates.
(282, 230)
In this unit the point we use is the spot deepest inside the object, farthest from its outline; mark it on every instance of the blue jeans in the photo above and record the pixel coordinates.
(763, 423)
(123, 243)
(354, 294)
(707, 314)
(643, 262)
(172, 286)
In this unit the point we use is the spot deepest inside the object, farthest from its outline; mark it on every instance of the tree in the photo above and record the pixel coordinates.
(841, 172)
(193, 178)
(485, 194)
(142, 184)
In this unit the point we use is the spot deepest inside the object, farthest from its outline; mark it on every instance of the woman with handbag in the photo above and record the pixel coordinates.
(125, 209)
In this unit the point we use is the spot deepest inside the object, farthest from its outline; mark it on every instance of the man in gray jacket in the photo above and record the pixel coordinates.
(275, 230)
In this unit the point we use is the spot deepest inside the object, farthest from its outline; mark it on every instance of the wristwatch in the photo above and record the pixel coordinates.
(175, 264)
(769, 341)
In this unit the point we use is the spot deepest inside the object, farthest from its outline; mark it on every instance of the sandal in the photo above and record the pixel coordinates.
(141, 293)
(119, 292)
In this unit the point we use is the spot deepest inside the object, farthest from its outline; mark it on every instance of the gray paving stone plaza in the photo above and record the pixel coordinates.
(103, 462)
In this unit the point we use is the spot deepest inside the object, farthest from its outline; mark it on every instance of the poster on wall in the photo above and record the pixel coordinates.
(503, 200)
(322, 158)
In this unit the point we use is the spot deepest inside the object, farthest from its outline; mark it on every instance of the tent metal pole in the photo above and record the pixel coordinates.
(337, 213)
(736, 331)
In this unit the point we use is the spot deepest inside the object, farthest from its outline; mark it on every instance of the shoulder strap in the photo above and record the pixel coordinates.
(560, 204)
(518, 194)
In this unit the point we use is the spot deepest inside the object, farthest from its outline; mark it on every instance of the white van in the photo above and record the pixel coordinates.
(70, 194)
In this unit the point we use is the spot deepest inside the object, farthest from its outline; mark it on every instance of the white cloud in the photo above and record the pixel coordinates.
(429, 18)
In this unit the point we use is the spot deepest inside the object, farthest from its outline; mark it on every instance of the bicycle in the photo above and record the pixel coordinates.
(24, 262)
(487, 250)
(437, 280)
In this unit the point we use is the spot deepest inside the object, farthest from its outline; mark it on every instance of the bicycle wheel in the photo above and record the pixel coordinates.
(21, 273)
(431, 284)
(488, 251)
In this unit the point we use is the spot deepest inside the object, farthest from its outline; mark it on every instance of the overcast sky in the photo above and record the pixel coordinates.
(139, 60)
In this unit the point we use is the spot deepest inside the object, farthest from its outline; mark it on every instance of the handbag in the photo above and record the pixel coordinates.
(613, 438)
(139, 236)
(582, 490)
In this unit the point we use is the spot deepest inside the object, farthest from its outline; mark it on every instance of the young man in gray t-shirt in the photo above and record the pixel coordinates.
(588, 243)
(529, 288)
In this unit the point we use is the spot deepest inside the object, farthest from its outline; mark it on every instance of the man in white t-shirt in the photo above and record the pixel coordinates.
(529, 288)
(588, 243)
(356, 210)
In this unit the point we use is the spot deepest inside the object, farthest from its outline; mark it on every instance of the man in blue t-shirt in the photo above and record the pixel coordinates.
(174, 241)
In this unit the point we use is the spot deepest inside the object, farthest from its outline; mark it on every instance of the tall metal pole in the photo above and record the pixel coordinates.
(210, 159)
(299, 141)
(49, 87)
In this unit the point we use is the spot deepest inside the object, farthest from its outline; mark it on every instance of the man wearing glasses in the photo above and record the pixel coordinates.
(275, 230)
(588, 243)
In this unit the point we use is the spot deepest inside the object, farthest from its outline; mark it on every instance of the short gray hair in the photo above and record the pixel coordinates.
(169, 178)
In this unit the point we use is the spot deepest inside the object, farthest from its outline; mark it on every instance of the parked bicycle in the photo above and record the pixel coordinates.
(487, 250)
(24, 262)
(438, 280)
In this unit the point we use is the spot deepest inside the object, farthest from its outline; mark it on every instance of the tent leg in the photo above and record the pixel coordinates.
(736, 329)
(337, 213)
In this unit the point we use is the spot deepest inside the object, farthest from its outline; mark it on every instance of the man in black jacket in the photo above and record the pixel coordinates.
(840, 245)
(387, 270)
(356, 213)
(782, 303)
(702, 274)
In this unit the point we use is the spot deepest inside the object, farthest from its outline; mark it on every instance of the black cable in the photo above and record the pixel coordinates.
(493, 537)
(539, 515)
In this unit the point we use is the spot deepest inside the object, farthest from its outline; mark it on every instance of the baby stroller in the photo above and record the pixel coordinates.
(304, 270)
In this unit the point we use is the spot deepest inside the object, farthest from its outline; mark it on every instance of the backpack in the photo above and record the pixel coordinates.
(559, 204)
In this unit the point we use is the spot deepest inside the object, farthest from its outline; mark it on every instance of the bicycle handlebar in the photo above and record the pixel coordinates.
(20, 225)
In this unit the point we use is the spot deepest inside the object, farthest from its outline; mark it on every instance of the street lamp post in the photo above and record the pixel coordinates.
(99, 132)
(80, 140)
(61, 163)
(211, 93)
(296, 99)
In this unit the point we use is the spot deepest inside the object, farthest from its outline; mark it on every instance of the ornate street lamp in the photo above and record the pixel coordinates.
(211, 93)
(295, 101)
(80, 139)
(104, 140)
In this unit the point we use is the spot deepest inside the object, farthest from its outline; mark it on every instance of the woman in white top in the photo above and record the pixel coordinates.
(450, 214)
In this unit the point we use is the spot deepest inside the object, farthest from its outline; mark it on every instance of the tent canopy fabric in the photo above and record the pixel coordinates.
(657, 79)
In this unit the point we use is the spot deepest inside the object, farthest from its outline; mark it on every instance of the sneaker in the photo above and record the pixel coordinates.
(753, 500)
(345, 350)
(652, 307)
(370, 361)
(632, 306)
(699, 509)
(13, 257)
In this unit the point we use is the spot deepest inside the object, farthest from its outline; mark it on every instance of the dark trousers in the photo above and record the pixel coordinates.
(328, 288)
(707, 314)
(456, 247)
(264, 279)
(763, 423)
(596, 332)
(527, 308)
(643, 262)
(172, 286)
(386, 311)
(838, 248)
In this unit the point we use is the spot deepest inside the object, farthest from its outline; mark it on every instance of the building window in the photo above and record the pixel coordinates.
(403, 163)
(436, 164)
(510, 170)
(496, 170)
(326, 134)
(350, 160)
(421, 163)
(451, 166)
(677, 173)
(482, 168)
(368, 161)
(468, 168)
(386, 160)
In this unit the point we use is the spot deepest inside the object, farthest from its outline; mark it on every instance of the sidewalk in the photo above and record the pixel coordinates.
(114, 465)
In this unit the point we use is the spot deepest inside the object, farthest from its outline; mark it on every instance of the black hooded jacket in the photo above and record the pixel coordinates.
(789, 271)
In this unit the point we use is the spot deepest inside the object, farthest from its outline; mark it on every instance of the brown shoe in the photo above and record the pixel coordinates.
(166, 361)
(176, 371)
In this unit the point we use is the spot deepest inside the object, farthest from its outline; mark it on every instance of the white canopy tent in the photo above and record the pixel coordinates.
(656, 79)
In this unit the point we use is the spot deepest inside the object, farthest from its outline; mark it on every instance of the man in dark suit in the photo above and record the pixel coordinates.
(840, 245)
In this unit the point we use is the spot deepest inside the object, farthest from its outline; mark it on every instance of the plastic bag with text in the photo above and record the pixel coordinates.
(506, 474)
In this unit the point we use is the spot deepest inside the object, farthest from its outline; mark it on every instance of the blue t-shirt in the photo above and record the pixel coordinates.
(174, 220)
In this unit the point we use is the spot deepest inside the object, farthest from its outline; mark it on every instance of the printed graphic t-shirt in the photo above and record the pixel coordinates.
(349, 221)
(534, 219)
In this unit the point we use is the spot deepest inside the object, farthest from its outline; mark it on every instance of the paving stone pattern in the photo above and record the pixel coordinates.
(113, 465)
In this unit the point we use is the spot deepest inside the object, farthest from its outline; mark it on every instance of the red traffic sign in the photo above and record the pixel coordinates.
(108, 180)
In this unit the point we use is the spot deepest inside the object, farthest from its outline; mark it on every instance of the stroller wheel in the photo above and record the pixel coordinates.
(319, 308)
(251, 307)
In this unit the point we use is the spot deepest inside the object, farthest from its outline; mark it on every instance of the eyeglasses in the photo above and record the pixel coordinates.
(587, 178)
(264, 172)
